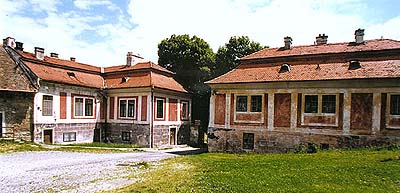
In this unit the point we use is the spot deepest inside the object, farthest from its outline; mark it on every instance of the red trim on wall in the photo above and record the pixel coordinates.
(144, 108)
(112, 107)
(63, 105)
(136, 107)
(173, 110)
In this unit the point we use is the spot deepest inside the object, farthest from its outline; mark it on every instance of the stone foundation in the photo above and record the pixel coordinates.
(84, 132)
(224, 140)
(162, 135)
(139, 134)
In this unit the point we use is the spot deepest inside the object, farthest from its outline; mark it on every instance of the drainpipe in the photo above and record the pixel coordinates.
(151, 116)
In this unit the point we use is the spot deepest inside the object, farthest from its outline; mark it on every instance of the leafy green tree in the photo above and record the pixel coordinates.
(227, 57)
(191, 58)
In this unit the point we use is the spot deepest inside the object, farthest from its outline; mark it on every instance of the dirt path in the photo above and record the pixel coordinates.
(54, 171)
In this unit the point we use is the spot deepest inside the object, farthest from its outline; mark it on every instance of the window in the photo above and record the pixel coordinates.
(256, 103)
(126, 136)
(68, 137)
(328, 103)
(241, 104)
(185, 110)
(84, 107)
(248, 141)
(395, 104)
(47, 105)
(311, 104)
(127, 108)
(159, 108)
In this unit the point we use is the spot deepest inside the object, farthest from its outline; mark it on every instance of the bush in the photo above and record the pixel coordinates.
(312, 148)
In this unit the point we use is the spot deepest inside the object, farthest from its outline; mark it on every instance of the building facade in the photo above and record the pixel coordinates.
(138, 102)
(339, 95)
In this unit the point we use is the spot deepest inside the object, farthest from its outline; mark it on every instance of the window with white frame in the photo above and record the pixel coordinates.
(127, 108)
(242, 103)
(126, 136)
(160, 108)
(84, 106)
(325, 104)
(70, 136)
(185, 110)
(395, 104)
(47, 105)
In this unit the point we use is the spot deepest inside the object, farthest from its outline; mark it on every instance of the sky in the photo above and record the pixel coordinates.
(101, 32)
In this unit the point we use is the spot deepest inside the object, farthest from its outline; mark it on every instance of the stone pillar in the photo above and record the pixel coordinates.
(293, 111)
(376, 112)
(270, 111)
(346, 112)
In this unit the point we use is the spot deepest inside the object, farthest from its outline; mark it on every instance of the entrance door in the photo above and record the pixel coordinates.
(172, 136)
(1, 124)
(48, 136)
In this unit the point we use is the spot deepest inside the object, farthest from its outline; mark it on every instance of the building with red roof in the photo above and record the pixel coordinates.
(335, 95)
(138, 102)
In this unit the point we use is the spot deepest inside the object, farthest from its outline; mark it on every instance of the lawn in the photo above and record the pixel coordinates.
(325, 171)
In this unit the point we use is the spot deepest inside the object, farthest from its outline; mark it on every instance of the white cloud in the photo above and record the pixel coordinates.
(215, 21)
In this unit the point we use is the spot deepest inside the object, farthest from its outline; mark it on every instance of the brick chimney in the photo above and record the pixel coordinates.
(9, 41)
(321, 39)
(72, 59)
(129, 59)
(359, 36)
(39, 53)
(19, 46)
(288, 42)
(54, 55)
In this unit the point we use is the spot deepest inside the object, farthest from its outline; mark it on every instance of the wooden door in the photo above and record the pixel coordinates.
(48, 136)
(172, 134)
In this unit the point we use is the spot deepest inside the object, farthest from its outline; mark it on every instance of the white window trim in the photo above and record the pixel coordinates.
(69, 132)
(156, 109)
(388, 115)
(52, 135)
(130, 136)
(3, 126)
(52, 105)
(126, 108)
(84, 104)
(249, 108)
(175, 137)
(187, 110)
(319, 111)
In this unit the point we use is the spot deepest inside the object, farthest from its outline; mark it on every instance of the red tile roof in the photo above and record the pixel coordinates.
(141, 65)
(346, 47)
(12, 78)
(302, 72)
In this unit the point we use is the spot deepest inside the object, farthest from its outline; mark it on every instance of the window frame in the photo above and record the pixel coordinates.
(185, 116)
(52, 105)
(390, 104)
(69, 138)
(246, 104)
(84, 106)
(320, 104)
(135, 107)
(249, 104)
(123, 139)
(245, 143)
(156, 108)
(260, 105)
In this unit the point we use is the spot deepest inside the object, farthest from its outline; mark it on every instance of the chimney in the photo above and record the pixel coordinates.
(19, 46)
(39, 53)
(54, 55)
(9, 41)
(129, 59)
(288, 42)
(359, 35)
(72, 59)
(321, 39)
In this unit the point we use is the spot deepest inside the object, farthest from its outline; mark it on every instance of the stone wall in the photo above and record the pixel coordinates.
(18, 113)
(84, 132)
(162, 135)
(139, 133)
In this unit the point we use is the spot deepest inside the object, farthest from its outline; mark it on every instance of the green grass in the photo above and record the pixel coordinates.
(9, 147)
(326, 171)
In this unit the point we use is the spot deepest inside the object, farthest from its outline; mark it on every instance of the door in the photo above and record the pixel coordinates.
(172, 136)
(48, 136)
(1, 124)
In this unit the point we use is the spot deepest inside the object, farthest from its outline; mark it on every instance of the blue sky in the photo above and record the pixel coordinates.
(101, 32)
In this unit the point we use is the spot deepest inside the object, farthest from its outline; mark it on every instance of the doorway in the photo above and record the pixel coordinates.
(172, 136)
(48, 136)
(1, 125)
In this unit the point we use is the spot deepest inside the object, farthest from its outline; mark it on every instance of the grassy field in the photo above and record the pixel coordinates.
(9, 147)
(325, 171)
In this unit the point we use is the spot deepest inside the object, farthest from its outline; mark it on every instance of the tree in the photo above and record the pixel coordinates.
(191, 58)
(227, 57)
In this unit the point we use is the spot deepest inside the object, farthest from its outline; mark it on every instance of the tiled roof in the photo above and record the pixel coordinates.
(60, 75)
(142, 65)
(303, 72)
(11, 77)
(144, 79)
(346, 47)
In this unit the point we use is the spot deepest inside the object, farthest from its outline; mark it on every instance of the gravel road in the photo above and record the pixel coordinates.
(54, 171)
